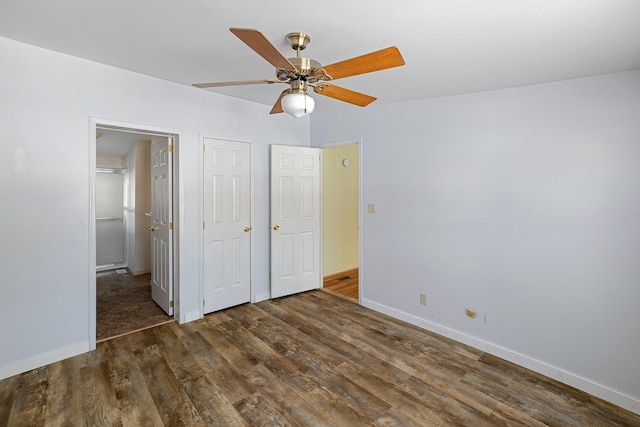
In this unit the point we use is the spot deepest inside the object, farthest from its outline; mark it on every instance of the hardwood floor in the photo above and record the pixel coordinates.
(279, 362)
(343, 284)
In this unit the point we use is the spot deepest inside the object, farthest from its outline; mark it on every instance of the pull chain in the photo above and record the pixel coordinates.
(305, 103)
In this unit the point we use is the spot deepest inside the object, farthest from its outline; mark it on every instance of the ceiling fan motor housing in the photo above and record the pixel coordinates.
(305, 69)
(305, 66)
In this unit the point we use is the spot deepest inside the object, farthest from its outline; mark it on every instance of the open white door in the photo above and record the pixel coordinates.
(227, 224)
(295, 219)
(161, 223)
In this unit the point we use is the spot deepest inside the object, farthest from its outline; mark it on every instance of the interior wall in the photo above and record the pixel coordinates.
(522, 204)
(44, 275)
(110, 222)
(340, 208)
(109, 162)
(129, 162)
(139, 203)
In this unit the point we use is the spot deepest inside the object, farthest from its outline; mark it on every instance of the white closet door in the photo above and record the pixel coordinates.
(295, 219)
(227, 224)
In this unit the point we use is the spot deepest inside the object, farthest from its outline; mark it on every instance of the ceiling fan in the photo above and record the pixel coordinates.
(301, 73)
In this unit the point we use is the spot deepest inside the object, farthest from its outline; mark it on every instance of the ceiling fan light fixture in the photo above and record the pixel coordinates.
(298, 104)
(301, 73)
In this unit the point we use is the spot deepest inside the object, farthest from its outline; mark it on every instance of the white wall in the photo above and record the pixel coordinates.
(138, 159)
(46, 99)
(109, 162)
(523, 204)
(129, 162)
(109, 202)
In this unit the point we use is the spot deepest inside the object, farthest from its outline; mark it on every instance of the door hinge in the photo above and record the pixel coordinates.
(171, 304)
(203, 226)
(171, 148)
(170, 226)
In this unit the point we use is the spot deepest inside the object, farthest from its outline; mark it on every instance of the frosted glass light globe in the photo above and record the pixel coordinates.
(298, 104)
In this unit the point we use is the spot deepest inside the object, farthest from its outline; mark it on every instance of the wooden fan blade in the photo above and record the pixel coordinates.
(346, 95)
(236, 83)
(374, 61)
(277, 107)
(263, 47)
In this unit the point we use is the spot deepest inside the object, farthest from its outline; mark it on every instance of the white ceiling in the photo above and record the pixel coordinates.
(450, 46)
(115, 144)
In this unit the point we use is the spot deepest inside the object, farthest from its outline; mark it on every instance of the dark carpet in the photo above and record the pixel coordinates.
(124, 304)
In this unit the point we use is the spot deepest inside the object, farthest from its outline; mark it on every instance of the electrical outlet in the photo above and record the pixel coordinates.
(371, 208)
(423, 299)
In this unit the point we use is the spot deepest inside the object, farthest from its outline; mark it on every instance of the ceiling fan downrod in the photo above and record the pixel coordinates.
(298, 41)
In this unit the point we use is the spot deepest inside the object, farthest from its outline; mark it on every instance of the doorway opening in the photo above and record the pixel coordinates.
(126, 190)
(341, 219)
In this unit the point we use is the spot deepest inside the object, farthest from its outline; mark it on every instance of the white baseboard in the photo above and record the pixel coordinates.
(263, 296)
(40, 360)
(139, 272)
(189, 317)
(545, 369)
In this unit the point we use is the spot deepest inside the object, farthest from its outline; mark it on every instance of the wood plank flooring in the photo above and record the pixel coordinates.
(343, 284)
(280, 362)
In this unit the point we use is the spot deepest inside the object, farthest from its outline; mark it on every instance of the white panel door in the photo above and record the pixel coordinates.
(295, 219)
(227, 224)
(161, 223)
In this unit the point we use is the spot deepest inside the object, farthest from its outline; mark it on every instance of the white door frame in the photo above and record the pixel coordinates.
(360, 210)
(94, 124)
(201, 138)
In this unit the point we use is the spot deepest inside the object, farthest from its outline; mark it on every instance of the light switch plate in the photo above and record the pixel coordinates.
(371, 208)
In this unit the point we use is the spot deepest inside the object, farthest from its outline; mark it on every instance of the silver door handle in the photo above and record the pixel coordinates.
(152, 228)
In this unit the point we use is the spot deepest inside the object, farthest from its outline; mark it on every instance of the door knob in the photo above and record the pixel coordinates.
(247, 229)
(276, 227)
(152, 228)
